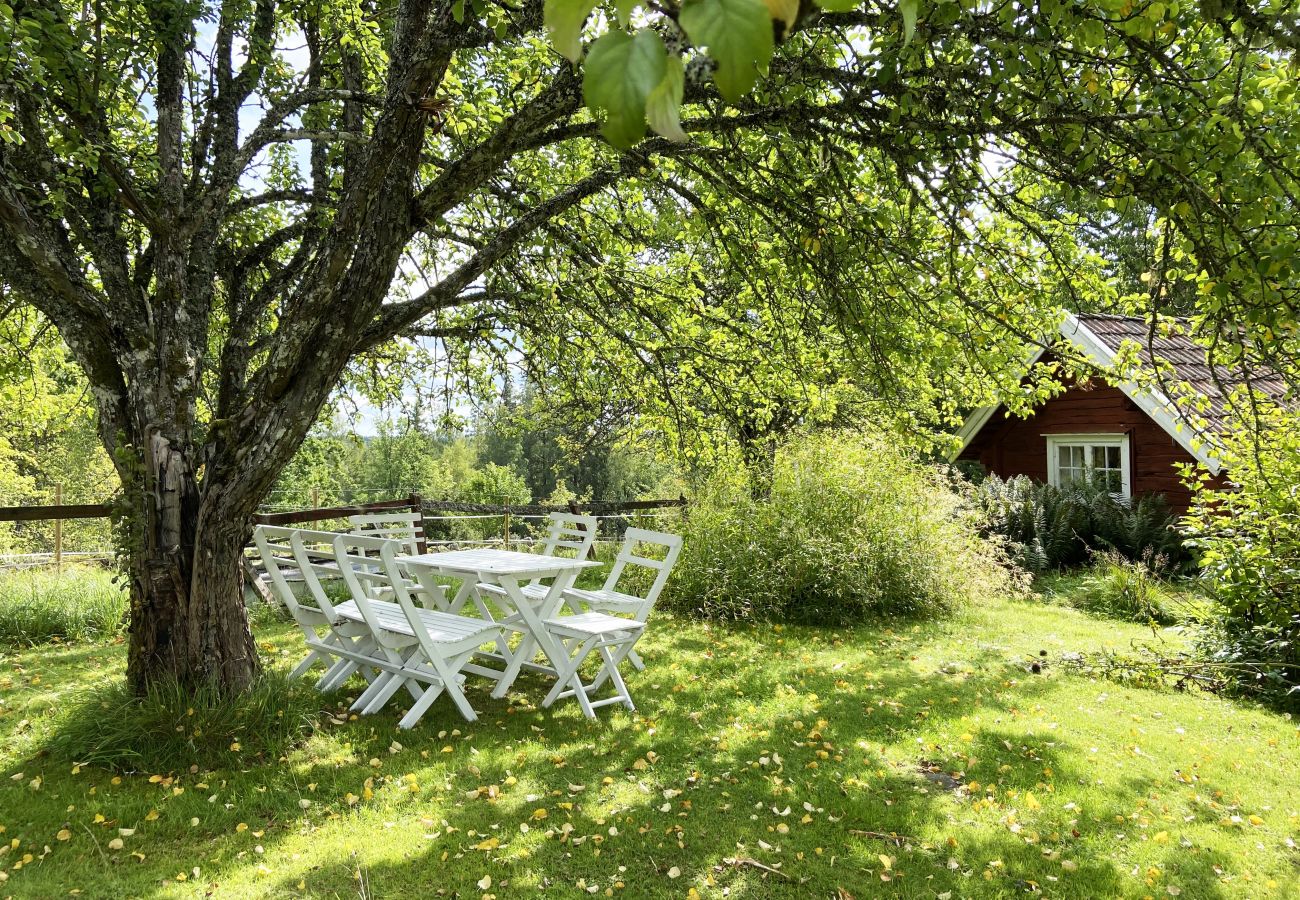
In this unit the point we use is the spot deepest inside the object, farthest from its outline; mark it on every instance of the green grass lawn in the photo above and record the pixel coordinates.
(921, 761)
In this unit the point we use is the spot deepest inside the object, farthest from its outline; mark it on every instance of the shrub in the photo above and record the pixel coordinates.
(80, 604)
(1054, 528)
(852, 528)
(1248, 541)
(173, 727)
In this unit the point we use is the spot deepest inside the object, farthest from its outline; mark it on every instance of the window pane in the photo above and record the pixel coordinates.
(1063, 458)
(1112, 458)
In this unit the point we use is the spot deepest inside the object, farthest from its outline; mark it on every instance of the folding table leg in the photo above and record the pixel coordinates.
(523, 653)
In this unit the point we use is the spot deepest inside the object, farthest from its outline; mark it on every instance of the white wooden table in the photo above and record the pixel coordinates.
(509, 570)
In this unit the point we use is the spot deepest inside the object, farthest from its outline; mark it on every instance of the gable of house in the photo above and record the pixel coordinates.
(1086, 416)
(1129, 433)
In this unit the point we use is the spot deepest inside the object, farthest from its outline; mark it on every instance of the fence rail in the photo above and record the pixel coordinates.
(436, 510)
(56, 512)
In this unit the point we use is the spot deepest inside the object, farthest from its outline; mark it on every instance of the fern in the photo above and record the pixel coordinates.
(1055, 528)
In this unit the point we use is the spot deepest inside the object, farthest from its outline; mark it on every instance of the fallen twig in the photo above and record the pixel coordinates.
(898, 839)
(742, 861)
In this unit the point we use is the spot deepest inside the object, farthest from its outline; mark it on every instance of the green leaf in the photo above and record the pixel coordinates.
(621, 72)
(738, 34)
(665, 101)
(908, 9)
(838, 5)
(564, 20)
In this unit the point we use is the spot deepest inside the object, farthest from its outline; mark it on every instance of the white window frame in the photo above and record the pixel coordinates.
(1095, 439)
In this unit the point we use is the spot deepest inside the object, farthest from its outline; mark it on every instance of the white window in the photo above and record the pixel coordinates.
(1100, 458)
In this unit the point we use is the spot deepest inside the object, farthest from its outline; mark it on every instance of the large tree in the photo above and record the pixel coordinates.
(220, 205)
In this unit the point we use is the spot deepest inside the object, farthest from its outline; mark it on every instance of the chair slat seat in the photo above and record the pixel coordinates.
(442, 628)
(594, 623)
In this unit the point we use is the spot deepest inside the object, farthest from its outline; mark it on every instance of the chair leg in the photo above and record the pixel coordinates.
(611, 670)
(338, 673)
(446, 681)
(306, 665)
(637, 662)
(569, 681)
(391, 686)
(421, 706)
(359, 705)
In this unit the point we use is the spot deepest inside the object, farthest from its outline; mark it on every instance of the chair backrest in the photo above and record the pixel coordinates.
(407, 528)
(369, 568)
(313, 552)
(272, 543)
(276, 546)
(627, 556)
(568, 531)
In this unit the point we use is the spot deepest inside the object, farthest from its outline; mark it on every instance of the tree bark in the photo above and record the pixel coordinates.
(188, 620)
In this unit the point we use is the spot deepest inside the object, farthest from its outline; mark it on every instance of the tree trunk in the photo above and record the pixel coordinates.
(188, 620)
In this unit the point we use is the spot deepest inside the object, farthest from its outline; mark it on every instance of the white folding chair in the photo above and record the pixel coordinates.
(601, 631)
(343, 642)
(564, 532)
(425, 649)
(610, 600)
(357, 651)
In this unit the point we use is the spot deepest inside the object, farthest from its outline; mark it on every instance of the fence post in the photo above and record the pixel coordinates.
(315, 496)
(58, 530)
(422, 539)
(575, 510)
(505, 528)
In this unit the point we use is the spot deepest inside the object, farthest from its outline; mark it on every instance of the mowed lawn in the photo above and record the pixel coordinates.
(918, 761)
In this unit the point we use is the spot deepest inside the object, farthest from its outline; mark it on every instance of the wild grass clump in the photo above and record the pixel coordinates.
(1121, 588)
(80, 604)
(174, 727)
(852, 528)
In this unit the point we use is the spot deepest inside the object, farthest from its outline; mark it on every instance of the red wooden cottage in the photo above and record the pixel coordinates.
(1128, 433)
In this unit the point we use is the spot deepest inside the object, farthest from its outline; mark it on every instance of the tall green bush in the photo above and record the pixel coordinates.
(1055, 528)
(853, 528)
(1248, 541)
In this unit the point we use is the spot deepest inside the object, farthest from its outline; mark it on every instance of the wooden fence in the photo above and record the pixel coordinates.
(414, 502)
